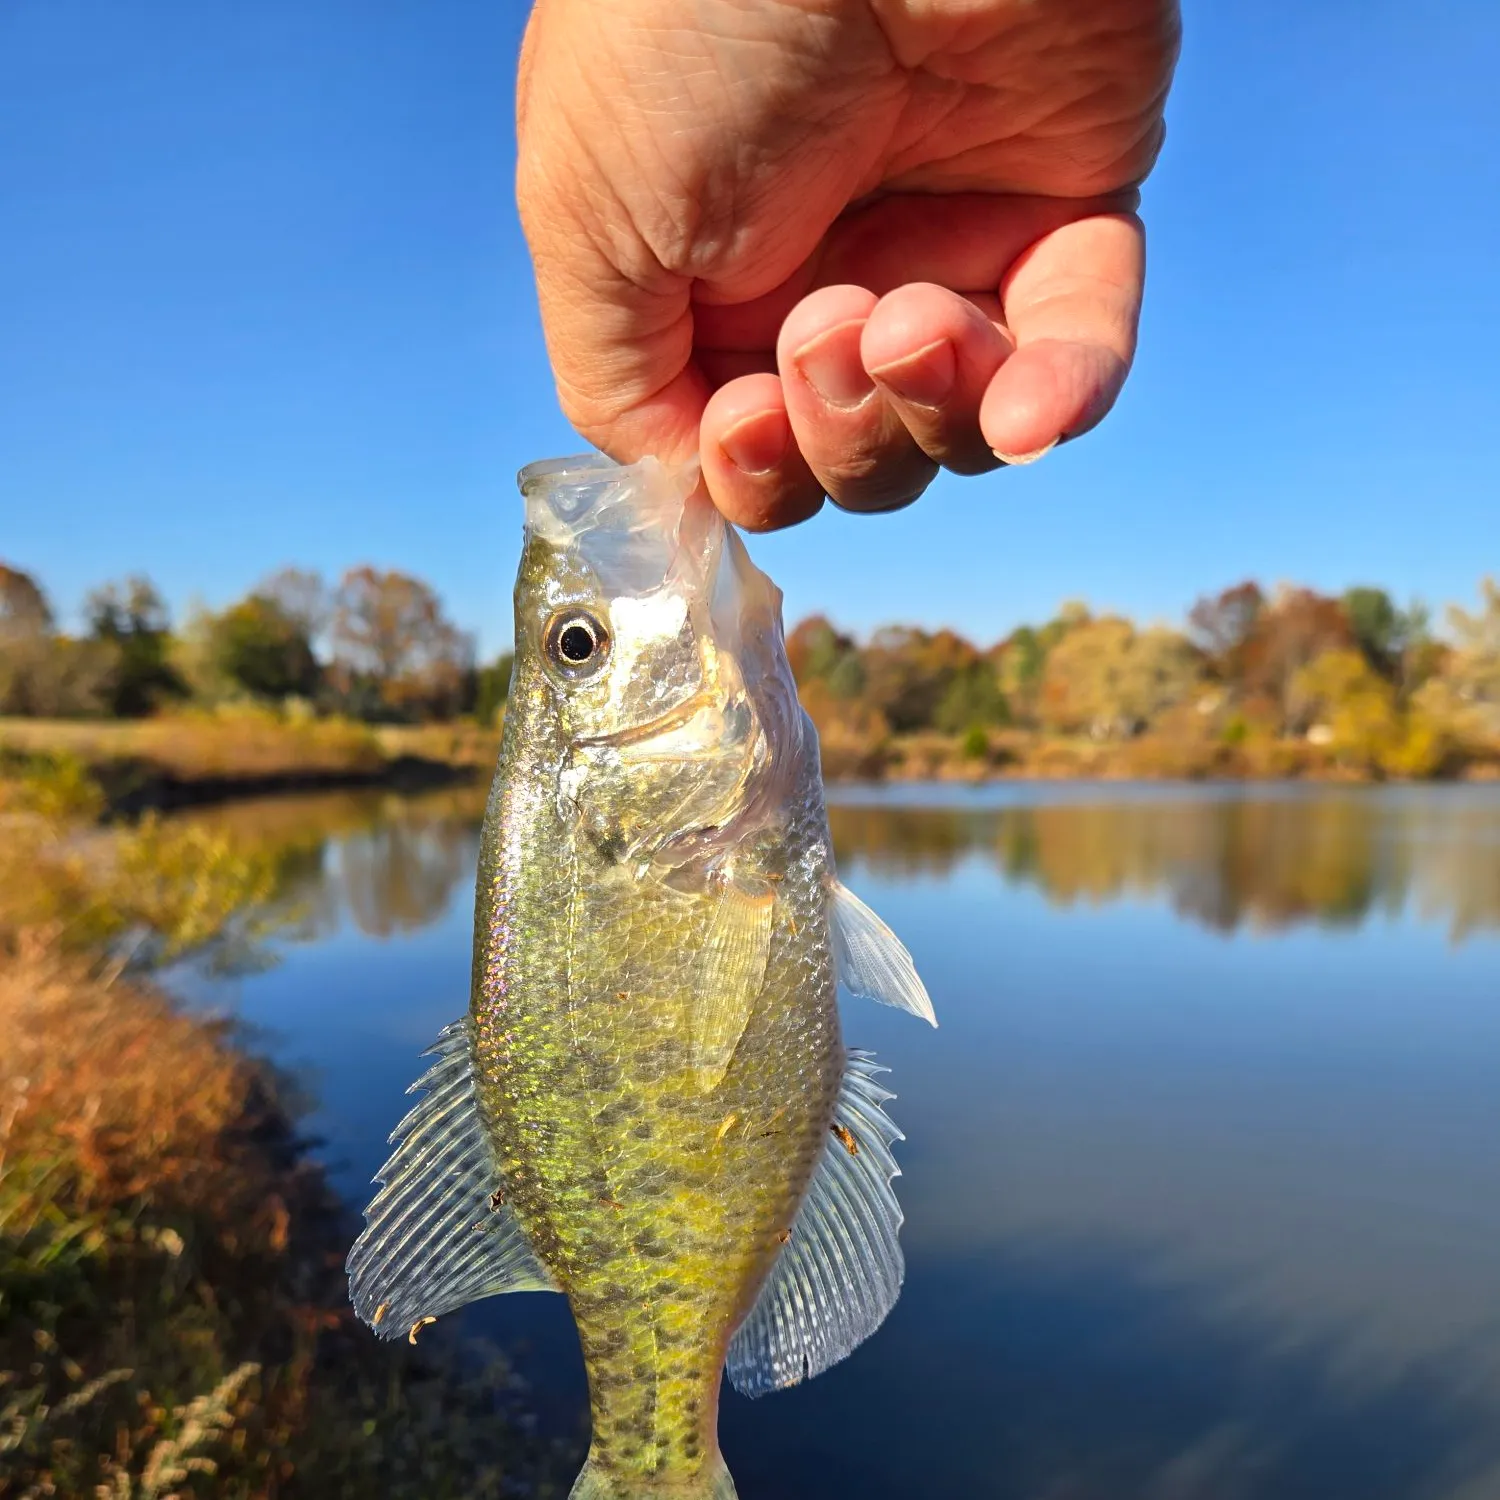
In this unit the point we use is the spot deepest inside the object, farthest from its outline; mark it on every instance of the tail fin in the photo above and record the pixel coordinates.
(711, 1482)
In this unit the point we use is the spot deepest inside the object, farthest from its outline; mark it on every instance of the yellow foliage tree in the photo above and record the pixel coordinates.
(1107, 679)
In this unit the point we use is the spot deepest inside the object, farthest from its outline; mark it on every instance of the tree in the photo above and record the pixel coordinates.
(972, 700)
(819, 653)
(1343, 692)
(1474, 668)
(1110, 681)
(132, 617)
(909, 672)
(301, 597)
(395, 650)
(24, 611)
(1221, 625)
(1378, 626)
(1296, 628)
(263, 650)
(55, 677)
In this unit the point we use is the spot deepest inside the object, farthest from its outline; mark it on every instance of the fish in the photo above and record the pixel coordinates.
(649, 1105)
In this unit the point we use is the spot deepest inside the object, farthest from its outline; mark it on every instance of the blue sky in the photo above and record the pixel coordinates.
(264, 299)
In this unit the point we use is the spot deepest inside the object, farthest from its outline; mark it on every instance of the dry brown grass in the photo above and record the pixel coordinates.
(245, 745)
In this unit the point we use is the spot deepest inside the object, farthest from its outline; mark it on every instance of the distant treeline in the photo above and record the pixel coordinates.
(378, 646)
(1371, 684)
(1366, 680)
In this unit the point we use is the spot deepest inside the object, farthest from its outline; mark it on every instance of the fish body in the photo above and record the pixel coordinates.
(649, 1106)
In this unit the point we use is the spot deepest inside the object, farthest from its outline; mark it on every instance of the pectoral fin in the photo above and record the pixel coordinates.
(437, 1234)
(872, 961)
(731, 970)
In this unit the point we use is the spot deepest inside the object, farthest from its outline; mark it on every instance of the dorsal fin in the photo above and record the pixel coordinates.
(436, 1234)
(841, 1270)
(872, 961)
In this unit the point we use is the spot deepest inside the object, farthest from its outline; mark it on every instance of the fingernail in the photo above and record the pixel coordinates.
(831, 365)
(1016, 460)
(756, 444)
(924, 378)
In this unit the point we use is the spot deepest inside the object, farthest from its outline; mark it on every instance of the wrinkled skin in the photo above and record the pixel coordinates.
(833, 244)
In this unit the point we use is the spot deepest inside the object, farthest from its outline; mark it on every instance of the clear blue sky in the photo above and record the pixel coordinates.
(264, 299)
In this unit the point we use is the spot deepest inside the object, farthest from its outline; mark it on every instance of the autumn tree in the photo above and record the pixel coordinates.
(818, 652)
(1221, 624)
(1473, 672)
(909, 673)
(301, 597)
(24, 611)
(1290, 633)
(1109, 680)
(395, 650)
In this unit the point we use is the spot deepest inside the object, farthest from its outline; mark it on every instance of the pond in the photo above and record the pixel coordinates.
(1201, 1178)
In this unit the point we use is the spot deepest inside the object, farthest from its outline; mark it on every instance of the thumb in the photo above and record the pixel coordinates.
(621, 346)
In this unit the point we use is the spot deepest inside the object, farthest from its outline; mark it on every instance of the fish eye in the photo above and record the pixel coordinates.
(577, 643)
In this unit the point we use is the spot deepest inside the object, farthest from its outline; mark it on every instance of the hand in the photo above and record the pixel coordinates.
(832, 245)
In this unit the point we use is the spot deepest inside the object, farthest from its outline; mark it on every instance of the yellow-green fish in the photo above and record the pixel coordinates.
(649, 1106)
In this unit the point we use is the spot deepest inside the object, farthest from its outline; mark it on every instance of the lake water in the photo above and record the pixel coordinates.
(1201, 1173)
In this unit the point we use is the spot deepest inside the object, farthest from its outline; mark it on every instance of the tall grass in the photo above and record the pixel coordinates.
(173, 1313)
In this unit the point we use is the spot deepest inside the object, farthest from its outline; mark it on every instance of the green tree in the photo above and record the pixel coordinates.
(132, 618)
(263, 650)
(972, 700)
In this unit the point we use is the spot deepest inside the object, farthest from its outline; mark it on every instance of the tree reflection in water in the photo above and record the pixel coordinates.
(1266, 862)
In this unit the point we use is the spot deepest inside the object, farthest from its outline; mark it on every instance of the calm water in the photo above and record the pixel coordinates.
(1201, 1173)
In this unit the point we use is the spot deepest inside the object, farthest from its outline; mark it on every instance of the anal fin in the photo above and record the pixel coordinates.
(436, 1234)
(841, 1270)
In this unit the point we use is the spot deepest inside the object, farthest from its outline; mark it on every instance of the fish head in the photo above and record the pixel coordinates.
(654, 647)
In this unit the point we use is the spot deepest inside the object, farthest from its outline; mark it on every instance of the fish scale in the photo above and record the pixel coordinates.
(649, 1106)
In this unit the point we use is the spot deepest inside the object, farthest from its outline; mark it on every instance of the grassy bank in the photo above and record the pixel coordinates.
(181, 758)
(173, 1312)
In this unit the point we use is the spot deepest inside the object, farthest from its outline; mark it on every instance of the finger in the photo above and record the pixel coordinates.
(754, 473)
(1073, 303)
(933, 355)
(852, 440)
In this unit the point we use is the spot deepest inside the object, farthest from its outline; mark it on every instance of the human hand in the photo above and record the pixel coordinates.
(832, 245)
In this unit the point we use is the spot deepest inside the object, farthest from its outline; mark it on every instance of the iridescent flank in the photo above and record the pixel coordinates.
(649, 1106)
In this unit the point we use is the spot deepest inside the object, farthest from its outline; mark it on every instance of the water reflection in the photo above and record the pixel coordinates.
(383, 863)
(1201, 1179)
(1226, 861)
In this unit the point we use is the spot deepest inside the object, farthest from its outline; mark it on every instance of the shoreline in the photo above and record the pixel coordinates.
(173, 763)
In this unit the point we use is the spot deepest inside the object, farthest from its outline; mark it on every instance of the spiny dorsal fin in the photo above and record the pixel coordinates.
(731, 971)
(421, 1254)
(872, 961)
(841, 1270)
